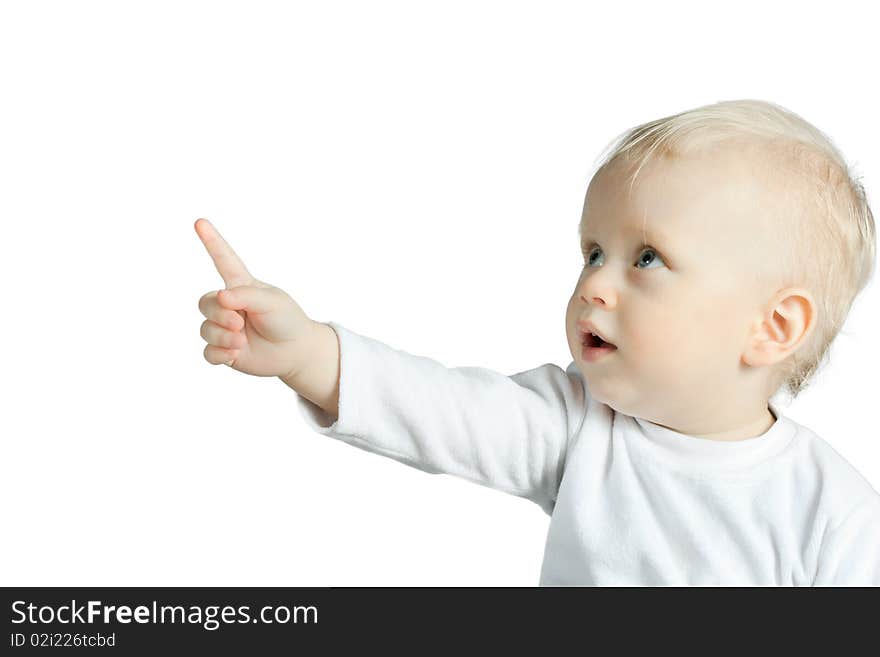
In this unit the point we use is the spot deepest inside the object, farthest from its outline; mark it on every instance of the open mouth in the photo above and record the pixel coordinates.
(593, 340)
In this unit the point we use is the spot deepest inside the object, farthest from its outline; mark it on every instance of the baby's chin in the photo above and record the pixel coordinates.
(603, 389)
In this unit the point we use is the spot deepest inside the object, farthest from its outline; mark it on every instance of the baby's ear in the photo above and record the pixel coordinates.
(786, 324)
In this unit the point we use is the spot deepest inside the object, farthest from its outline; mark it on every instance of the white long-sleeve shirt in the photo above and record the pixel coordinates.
(631, 503)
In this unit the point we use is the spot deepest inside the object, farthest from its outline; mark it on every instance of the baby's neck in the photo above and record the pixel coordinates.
(751, 430)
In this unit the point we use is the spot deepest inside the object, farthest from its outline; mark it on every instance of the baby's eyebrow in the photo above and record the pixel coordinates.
(650, 236)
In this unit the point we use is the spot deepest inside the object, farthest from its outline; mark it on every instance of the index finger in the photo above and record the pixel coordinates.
(229, 265)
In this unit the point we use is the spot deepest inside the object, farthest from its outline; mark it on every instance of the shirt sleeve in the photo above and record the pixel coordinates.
(510, 433)
(850, 552)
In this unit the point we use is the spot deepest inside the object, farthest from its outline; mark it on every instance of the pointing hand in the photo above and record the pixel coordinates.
(251, 326)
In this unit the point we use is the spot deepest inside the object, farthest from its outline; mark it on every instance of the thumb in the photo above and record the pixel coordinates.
(247, 297)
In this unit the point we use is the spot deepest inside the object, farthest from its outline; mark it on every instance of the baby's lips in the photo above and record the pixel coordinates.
(586, 326)
(586, 335)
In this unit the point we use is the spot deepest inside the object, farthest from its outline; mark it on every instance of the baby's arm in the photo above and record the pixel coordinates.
(510, 433)
(506, 432)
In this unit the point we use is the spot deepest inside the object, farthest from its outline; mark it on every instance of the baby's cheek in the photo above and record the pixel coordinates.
(657, 348)
(648, 341)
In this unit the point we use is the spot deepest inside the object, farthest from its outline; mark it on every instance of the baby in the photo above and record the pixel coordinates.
(723, 248)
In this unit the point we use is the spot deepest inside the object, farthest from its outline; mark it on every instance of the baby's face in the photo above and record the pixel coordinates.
(679, 302)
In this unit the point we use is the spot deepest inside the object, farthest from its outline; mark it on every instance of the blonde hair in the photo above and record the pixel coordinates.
(830, 229)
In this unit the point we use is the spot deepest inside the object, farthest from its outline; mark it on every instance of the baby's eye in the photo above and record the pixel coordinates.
(649, 250)
(642, 260)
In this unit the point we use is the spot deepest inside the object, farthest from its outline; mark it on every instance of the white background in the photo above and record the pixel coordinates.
(412, 170)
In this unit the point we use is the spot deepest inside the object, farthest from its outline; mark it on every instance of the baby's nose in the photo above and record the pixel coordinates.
(606, 299)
